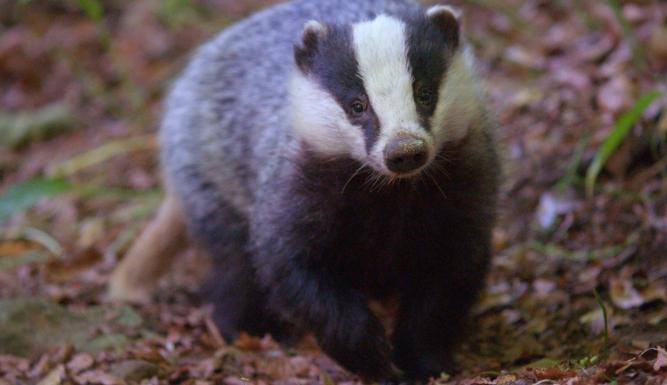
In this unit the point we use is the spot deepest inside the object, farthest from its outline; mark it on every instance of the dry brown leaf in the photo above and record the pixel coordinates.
(8, 248)
(97, 377)
(247, 342)
(80, 362)
(616, 95)
(7, 361)
(55, 377)
(660, 360)
(233, 380)
(506, 379)
(657, 46)
(554, 373)
(624, 295)
(65, 271)
(477, 381)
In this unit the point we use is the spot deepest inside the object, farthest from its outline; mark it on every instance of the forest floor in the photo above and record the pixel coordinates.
(578, 289)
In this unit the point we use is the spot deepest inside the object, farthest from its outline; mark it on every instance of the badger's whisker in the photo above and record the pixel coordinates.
(369, 181)
(379, 182)
(442, 155)
(440, 170)
(394, 181)
(435, 182)
(352, 177)
(376, 180)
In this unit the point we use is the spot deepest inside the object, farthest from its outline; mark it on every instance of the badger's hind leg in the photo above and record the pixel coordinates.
(137, 275)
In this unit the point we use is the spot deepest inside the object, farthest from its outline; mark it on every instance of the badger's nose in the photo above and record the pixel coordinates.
(405, 154)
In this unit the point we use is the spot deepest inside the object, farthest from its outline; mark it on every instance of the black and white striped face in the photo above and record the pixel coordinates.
(388, 92)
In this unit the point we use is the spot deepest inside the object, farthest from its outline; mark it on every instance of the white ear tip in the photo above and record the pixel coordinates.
(438, 9)
(316, 27)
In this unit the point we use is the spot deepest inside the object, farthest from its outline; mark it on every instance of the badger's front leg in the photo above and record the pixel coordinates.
(434, 312)
(295, 252)
(339, 317)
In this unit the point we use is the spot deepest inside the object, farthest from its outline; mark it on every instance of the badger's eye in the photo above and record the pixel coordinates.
(358, 107)
(424, 96)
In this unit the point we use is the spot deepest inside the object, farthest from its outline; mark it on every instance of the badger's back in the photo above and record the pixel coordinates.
(226, 116)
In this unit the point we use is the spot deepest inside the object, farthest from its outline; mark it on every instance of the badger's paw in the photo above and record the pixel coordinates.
(358, 343)
(122, 289)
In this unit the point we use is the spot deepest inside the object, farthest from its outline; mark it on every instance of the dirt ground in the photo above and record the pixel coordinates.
(578, 289)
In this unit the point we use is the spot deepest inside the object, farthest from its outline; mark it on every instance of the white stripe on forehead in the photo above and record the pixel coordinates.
(381, 50)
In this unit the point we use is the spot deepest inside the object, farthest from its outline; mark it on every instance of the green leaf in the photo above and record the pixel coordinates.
(598, 299)
(101, 154)
(616, 137)
(27, 194)
(92, 8)
(543, 363)
(21, 128)
(10, 262)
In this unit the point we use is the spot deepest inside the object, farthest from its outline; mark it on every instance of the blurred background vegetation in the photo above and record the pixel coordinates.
(579, 89)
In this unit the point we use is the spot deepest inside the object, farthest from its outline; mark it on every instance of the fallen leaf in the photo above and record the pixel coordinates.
(506, 379)
(247, 342)
(25, 127)
(55, 377)
(554, 373)
(657, 46)
(551, 206)
(326, 379)
(616, 95)
(595, 319)
(8, 248)
(624, 295)
(234, 380)
(66, 270)
(80, 362)
(98, 377)
(134, 370)
(522, 57)
(543, 363)
(660, 360)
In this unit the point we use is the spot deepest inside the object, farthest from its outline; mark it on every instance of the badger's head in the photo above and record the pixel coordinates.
(389, 92)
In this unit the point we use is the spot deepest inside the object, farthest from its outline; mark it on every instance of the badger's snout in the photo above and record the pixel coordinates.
(405, 154)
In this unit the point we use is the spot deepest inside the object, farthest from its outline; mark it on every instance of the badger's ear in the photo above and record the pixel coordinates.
(447, 19)
(305, 50)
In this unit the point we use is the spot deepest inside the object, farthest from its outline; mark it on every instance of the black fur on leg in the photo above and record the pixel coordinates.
(338, 316)
(239, 303)
(296, 254)
(435, 309)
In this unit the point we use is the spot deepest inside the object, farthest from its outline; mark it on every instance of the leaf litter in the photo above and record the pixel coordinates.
(561, 75)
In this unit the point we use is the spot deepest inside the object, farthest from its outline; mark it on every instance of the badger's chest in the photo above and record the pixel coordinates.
(377, 235)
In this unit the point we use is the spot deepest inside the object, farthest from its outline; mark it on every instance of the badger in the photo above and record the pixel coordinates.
(326, 154)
